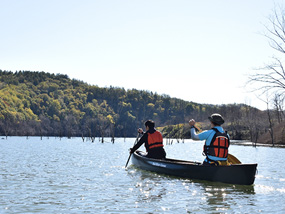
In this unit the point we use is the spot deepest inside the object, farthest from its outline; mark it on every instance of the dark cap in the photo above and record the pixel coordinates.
(217, 119)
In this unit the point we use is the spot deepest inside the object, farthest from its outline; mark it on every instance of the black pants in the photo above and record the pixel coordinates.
(156, 153)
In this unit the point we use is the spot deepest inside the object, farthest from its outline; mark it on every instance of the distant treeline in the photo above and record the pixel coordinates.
(44, 104)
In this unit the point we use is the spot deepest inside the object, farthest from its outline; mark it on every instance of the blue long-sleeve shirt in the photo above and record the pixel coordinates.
(208, 136)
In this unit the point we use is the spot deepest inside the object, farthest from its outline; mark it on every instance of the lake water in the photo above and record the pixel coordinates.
(71, 176)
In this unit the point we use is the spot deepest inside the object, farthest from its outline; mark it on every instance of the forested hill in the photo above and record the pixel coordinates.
(39, 103)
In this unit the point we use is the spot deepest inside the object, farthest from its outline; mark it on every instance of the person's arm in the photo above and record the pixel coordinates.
(139, 143)
(194, 136)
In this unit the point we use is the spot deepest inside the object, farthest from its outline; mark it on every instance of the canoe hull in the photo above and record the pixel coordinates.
(243, 174)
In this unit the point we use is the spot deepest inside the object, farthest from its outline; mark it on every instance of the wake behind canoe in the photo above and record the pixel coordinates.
(243, 174)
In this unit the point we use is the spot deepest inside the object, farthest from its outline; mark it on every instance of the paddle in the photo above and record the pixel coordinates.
(197, 129)
(131, 153)
(233, 159)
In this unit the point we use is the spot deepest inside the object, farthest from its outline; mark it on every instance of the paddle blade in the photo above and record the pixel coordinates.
(128, 160)
(133, 147)
(232, 159)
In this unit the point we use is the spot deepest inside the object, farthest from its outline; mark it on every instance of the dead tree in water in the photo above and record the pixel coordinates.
(112, 129)
(90, 125)
(103, 127)
(270, 126)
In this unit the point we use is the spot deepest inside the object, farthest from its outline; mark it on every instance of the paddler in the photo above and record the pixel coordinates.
(217, 140)
(152, 140)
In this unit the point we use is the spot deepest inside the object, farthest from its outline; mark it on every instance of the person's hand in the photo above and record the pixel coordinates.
(140, 130)
(131, 150)
(192, 122)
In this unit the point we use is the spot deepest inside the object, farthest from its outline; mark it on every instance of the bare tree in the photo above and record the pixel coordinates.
(8, 123)
(103, 125)
(271, 77)
(271, 124)
(70, 123)
(251, 120)
(278, 102)
(276, 33)
(90, 125)
(6, 126)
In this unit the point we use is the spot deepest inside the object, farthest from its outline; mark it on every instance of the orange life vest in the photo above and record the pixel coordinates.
(219, 145)
(154, 140)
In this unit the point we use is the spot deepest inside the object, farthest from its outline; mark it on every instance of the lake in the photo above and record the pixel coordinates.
(55, 175)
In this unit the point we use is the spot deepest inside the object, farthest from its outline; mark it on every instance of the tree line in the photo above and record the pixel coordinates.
(39, 103)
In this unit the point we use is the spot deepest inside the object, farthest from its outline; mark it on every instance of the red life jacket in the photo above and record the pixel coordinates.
(154, 140)
(219, 145)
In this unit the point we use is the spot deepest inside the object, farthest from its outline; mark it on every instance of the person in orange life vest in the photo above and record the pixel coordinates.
(152, 140)
(217, 140)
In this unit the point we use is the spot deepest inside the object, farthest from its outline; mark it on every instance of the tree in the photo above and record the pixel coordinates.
(271, 124)
(103, 125)
(271, 77)
(278, 102)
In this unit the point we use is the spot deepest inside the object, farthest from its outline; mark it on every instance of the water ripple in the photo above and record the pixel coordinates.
(69, 176)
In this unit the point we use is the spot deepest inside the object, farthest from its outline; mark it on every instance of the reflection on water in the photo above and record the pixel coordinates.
(212, 196)
(220, 197)
(149, 185)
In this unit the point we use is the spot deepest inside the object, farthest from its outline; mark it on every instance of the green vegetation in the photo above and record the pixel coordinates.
(44, 104)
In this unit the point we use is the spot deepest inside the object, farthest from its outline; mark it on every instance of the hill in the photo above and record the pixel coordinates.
(39, 103)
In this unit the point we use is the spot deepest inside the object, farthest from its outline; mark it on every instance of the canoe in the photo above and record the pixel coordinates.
(243, 174)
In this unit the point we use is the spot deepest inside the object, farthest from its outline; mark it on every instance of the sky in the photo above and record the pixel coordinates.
(200, 51)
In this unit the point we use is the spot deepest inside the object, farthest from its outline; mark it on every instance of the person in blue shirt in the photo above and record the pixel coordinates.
(216, 140)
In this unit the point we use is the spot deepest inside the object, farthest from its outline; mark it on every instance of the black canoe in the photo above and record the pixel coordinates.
(243, 174)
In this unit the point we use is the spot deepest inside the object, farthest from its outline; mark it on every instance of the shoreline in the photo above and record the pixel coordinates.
(248, 143)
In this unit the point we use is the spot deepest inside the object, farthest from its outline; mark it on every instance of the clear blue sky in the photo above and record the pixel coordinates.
(199, 51)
